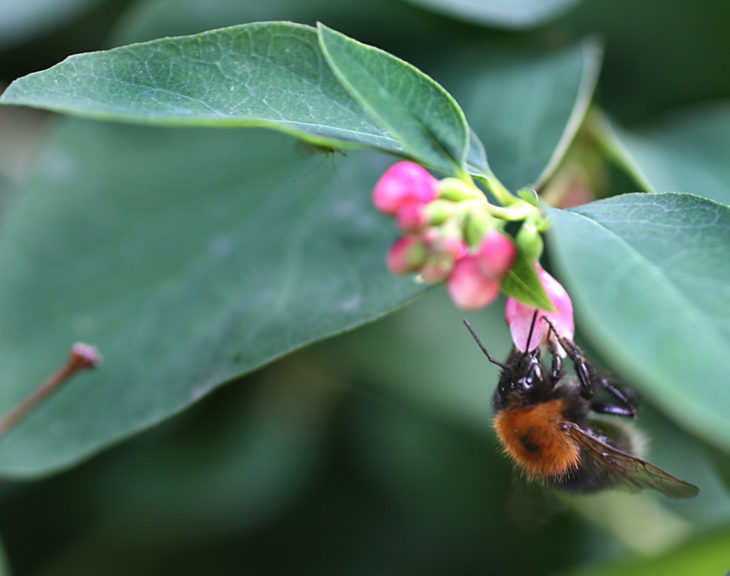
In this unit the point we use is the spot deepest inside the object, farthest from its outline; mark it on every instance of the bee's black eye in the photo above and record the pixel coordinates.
(521, 377)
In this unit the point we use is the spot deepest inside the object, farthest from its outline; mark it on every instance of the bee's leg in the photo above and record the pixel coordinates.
(612, 399)
(616, 401)
(584, 370)
(556, 363)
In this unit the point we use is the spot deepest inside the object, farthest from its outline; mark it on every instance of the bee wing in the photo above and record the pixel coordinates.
(529, 505)
(629, 471)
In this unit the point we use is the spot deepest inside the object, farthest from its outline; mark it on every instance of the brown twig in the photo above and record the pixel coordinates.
(82, 357)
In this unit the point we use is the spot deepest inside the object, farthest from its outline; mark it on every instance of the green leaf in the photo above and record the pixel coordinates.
(269, 74)
(6, 190)
(266, 74)
(525, 108)
(476, 158)
(421, 115)
(189, 258)
(522, 283)
(517, 14)
(707, 554)
(682, 152)
(649, 275)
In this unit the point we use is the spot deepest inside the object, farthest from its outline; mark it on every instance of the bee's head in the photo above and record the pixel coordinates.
(522, 380)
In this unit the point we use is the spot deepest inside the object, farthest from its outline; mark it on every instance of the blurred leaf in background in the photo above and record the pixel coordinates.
(705, 554)
(678, 152)
(22, 21)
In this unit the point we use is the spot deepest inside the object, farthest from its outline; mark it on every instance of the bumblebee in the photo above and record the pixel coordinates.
(546, 422)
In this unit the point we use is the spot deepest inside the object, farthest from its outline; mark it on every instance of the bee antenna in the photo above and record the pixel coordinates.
(532, 329)
(483, 348)
(550, 325)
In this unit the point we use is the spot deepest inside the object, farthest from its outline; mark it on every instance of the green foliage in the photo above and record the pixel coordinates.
(242, 308)
(682, 152)
(521, 282)
(510, 93)
(705, 555)
(270, 74)
(184, 280)
(420, 114)
(648, 270)
(195, 256)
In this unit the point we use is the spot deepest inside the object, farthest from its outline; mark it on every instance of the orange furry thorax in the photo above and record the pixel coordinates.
(533, 437)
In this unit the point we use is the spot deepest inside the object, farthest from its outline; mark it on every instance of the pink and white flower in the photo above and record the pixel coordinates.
(519, 316)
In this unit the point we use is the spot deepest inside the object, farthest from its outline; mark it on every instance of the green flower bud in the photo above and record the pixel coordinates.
(438, 211)
(478, 223)
(457, 190)
(529, 195)
(529, 241)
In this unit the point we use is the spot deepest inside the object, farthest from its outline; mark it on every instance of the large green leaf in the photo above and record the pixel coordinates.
(525, 108)
(269, 74)
(189, 258)
(519, 14)
(420, 114)
(684, 152)
(649, 275)
(265, 74)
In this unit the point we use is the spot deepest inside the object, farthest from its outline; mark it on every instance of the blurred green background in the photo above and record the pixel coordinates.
(371, 453)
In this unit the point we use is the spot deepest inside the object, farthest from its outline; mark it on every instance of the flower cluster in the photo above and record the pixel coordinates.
(452, 233)
(449, 234)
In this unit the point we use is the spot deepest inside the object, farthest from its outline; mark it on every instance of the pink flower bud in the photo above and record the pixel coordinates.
(468, 287)
(412, 217)
(432, 236)
(404, 183)
(447, 242)
(436, 268)
(519, 315)
(85, 355)
(454, 247)
(496, 254)
(407, 254)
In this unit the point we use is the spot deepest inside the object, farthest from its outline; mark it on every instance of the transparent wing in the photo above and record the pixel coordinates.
(530, 504)
(628, 471)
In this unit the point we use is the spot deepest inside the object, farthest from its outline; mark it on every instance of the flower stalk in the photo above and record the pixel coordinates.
(82, 357)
